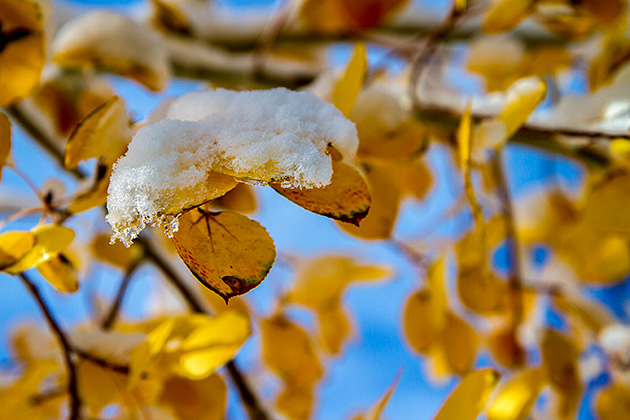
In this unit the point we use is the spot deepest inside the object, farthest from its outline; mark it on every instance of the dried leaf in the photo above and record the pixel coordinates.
(470, 396)
(49, 241)
(347, 88)
(102, 39)
(346, 198)
(228, 252)
(103, 133)
(514, 400)
(60, 272)
(22, 52)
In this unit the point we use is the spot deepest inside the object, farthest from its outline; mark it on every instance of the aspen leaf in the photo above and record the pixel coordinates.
(335, 327)
(102, 39)
(412, 177)
(213, 344)
(60, 272)
(324, 16)
(288, 351)
(347, 88)
(504, 345)
(470, 396)
(385, 199)
(115, 254)
(5, 139)
(103, 133)
(240, 199)
(95, 195)
(370, 13)
(479, 289)
(523, 96)
(22, 52)
(227, 252)
(145, 354)
(49, 241)
(460, 343)
(338, 16)
(608, 204)
(195, 400)
(503, 15)
(613, 402)
(346, 198)
(377, 411)
(14, 246)
(295, 402)
(419, 323)
(514, 400)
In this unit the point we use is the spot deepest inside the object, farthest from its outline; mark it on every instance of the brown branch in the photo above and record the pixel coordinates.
(104, 363)
(72, 387)
(113, 312)
(253, 406)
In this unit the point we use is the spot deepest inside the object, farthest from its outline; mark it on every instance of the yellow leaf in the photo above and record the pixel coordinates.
(102, 39)
(419, 322)
(523, 96)
(144, 355)
(382, 142)
(22, 54)
(195, 400)
(287, 350)
(60, 272)
(346, 198)
(505, 348)
(103, 133)
(613, 403)
(412, 177)
(213, 344)
(49, 241)
(339, 16)
(5, 139)
(460, 344)
(515, 399)
(347, 88)
(14, 246)
(503, 15)
(335, 328)
(95, 195)
(240, 199)
(227, 252)
(379, 222)
(296, 402)
(377, 411)
(470, 396)
(116, 254)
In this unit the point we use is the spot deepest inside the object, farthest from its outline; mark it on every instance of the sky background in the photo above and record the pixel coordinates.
(359, 377)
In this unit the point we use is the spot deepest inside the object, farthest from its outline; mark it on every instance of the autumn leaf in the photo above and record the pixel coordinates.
(14, 246)
(227, 252)
(60, 273)
(503, 15)
(347, 88)
(116, 254)
(241, 199)
(103, 133)
(22, 51)
(613, 402)
(515, 399)
(204, 399)
(377, 411)
(470, 396)
(346, 198)
(49, 241)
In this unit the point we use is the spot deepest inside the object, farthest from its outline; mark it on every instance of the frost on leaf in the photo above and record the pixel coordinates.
(212, 139)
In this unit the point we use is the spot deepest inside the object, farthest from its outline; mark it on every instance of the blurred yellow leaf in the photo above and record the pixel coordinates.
(288, 351)
(14, 246)
(470, 396)
(514, 400)
(102, 39)
(103, 133)
(347, 88)
(22, 51)
(370, 13)
(419, 321)
(116, 254)
(460, 343)
(385, 199)
(613, 402)
(338, 16)
(335, 327)
(346, 198)
(505, 347)
(60, 272)
(195, 400)
(144, 355)
(95, 195)
(523, 96)
(296, 402)
(240, 199)
(49, 241)
(227, 252)
(503, 15)
(377, 411)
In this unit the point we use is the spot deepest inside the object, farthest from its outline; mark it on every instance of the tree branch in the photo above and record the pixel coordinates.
(72, 387)
(109, 320)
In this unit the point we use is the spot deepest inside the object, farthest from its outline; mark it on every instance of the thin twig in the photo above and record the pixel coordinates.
(113, 312)
(72, 387)
(253, 406)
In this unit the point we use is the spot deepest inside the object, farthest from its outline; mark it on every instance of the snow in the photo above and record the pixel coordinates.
(274, 135)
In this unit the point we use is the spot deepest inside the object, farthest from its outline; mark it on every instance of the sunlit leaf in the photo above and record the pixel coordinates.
(379, 222)
(102, 39)
(347, 88)
(346, 198)
(22, 51)
(103, 133)
(515, 399)
(195, 400)
(49, 241)
(522, 98)
(60, 272)
(14, 246)
(613, 403)
(228, 252)
(143, 356)
(288, 351)
(470, 396)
